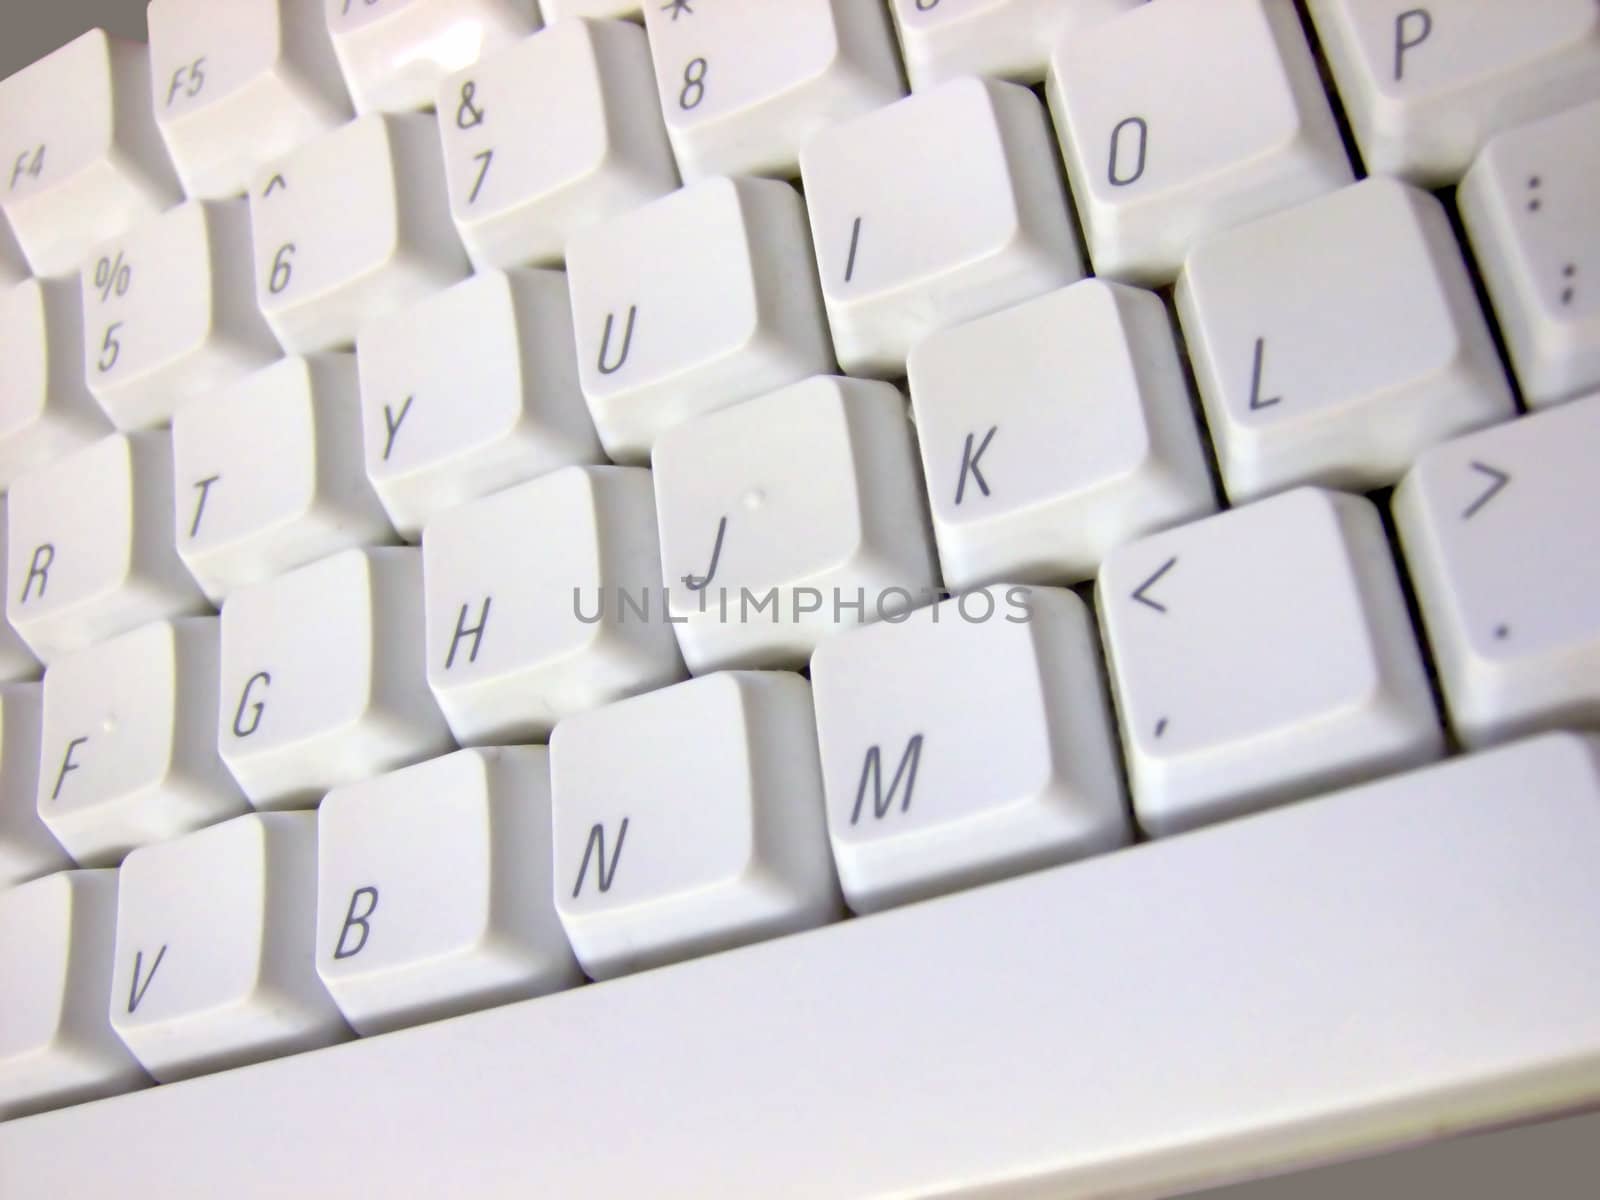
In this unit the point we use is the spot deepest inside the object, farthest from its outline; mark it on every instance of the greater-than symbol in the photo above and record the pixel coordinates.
(277, 181)
(1498, 480)
(1139, 592)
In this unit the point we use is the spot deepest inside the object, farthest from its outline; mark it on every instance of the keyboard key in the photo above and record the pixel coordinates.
(969, 743)
(1498, 529)
(516, 641)
(89, 546)
(1344, 383)
(745, 86)
(1259, 656)
(78, 145)
(237, 85)
(128, 749)
(1009, 39)
(909, 242)
(214, 948)
(601, 148)
(352, 225)
(56, 1045)
(1425, 86)
(1160, 151)
(268, 474)
(16, 660)
(170, 313)
(470, 391)
(394, 52)
(1053, 431)
(1528, 204)
(434, 890)
(787, 517)
(697, 300)
(690, 820)
(46, 410)
(322, 677)
(27, 848)
(555, 10)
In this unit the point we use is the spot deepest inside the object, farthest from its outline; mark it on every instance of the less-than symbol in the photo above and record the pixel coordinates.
(277, 181)
(1256, 400)
(1139, 592)
(1498, 480)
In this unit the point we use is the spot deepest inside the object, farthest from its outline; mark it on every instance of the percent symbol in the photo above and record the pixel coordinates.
(112, 275)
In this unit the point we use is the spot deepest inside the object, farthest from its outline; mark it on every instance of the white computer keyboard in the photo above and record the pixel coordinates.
(1013, 550)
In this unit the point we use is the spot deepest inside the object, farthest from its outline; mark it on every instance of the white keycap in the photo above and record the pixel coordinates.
(45, 407)
(969, 743)
(394, 52)
(434, 890)
(128, 750)
(702, 298)
(787, 517)
(16, 660)
(1178, 120)
(1425, 85)
(909, 242)
(517, 640)
(27, 847)
(555, 10)
(601, 148)
(1498, 529)
(1260, 656)
(237, 85)
(89, 546)
(214, 963)
(78, 144)
(352, 225)
(268, 474)
(744, 86)
(690, 820)
(1529, 204)
(1010, 39)
(322, 677)
(1346, 382)
(169, 312)
(56, 1044)
(470, 391)
(1053, 431)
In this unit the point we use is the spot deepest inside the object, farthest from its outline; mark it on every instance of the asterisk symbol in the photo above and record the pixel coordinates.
(677, 6)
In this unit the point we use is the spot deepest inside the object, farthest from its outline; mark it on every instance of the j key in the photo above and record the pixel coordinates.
(469, 391)
(1054, 431)
(1528, 204)
(1010, 39)
(169, 312)
(16, 660)
(1178, 120)
(268, 474)
(744, 86)
(394, 52)
(690, 820)
(215, 931)
(1425, 85)
(46, 409)
(237, 85)
(909, 242)
(969, 743)
(697, 300)
(805, 500)
(1498, 528)
(601, 148)
(1344, 383)
(1259, 656)
(434, 892)
(27, 847)
(89, 546)
(81, 158)
(128, 752)
(349, 226)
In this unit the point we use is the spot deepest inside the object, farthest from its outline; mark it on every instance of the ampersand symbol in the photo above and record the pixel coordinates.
(467, 115)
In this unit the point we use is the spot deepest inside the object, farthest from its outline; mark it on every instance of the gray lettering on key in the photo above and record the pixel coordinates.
(352, 920)
(696, 583)
(1411, 29)
(596, 845)
(627, 341)
(969, 464)
(1256, 399)
(39, 570)
(872, 769)
(391, 423)
(475, 632)
(855, 240)
(66, 765)
(200, 505)
(1123, 178)
(1498, 479)
(256, 709)
(137, 991)
(1139, 592)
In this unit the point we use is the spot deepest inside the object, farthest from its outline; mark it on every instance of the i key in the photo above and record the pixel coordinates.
(1006, 39)
(46, 409)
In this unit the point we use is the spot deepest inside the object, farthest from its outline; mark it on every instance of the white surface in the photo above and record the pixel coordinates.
(214, 945)
(516, 640)
(1164, 144)
(1424, 91)
(1053, 431)
(27, 848)
(128, 751)
(1346, 381)
(13, 267)
(909, 242)
(699, 299)
(554, 10)
(45, 407)
(808, 497)
(1498, 530)
(689, 820)
(1261, 655)
(1010, 39)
